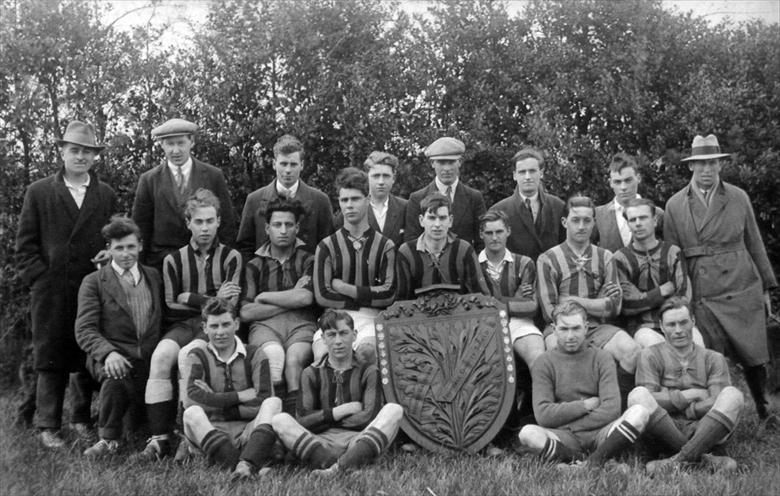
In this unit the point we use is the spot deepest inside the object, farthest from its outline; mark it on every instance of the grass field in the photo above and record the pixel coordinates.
(28, 469)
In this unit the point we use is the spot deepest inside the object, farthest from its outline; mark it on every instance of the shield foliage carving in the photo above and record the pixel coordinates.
(448, 360)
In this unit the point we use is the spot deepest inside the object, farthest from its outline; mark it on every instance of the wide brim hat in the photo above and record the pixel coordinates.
(705, 149)
(80, 133)
(445, 148)
(174, 127)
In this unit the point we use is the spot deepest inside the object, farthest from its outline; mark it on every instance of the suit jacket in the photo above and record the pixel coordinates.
(606, 233)
(468, 207)
(54, 244)
(105, 323)
(395, 220)
(727, 264)
(317, 225)
(158, 209)
(532, 238)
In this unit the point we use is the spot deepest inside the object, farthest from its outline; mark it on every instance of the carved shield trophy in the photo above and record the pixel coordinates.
(448, 360)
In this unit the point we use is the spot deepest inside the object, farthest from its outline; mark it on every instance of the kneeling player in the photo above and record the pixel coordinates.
(576, 398)
(691, 383)
(341, 424)
(230, 387)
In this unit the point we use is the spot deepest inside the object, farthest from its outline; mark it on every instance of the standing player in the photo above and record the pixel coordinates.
(278, 298)
(354, 268)
(201, 269)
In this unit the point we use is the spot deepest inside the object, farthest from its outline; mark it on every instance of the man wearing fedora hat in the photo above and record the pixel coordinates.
(161, 193)
(713, 223)
(468, 205)
(57, 244)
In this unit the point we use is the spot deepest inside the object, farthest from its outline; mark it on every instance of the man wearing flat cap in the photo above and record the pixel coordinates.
(57, 244)
(713, 223)
(161, 192)
(387, 214)
(468, 205)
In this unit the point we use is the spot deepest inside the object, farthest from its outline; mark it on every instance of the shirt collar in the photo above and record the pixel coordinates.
(265, 249)
(240, 350)
(695, 187)
(421, 244)
(324, 362)
(185, 169)
(292, 189)
(77, 187)
(211, 249)
(443, 187)
(617, 204)
(382, 205)
(507, 256)
(134, 271)
(533, 197)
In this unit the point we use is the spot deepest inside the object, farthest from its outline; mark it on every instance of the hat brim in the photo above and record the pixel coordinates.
(445, 157)
(61, 142)
(705, 157)
(171, 135)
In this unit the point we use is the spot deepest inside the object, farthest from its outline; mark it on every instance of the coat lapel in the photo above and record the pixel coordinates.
(168, 189)
(113, 288)
(91, 201)
(460, 204)
(718, 202)
(527, 218)
(155, 289)
(65, 199)
(392, 218)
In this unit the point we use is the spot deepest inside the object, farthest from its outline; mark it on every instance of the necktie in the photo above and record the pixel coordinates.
(706, 194)
(128, 277)
(448, 192)
(286, 193)
(179, 176)
(528, 206)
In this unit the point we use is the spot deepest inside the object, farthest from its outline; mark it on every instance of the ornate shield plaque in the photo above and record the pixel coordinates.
(448, 360)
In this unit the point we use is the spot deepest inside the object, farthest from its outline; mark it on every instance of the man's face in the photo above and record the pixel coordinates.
(177, 149)
(221, 330)
(528, 176)
(282, 229)
(436, 224)
(124, 251)
(579, 224)
(677, 325)
(203, 225)
(78, 159)
(447, 170)
(570, 331)
(641, 221)
(494, 235)
(339, 340)
(353, 204)
(288, 168)
(624, 184)
(380, 181)
(706, 173)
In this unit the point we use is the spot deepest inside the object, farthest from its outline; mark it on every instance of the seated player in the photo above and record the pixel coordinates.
(649, 270)
(437, 256)
(576, 398)
(579, 271)
(230, 388)
(278, 298)
(691, 383)
(512, 279)
(341, 422)
(118, 326)
(201, 269)
(354, 267)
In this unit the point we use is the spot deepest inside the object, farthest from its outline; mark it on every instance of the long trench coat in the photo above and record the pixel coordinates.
(54, 244)
(728, 267)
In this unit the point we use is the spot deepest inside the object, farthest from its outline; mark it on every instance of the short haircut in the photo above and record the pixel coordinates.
(493, 216)
(118, 227)
(293, 206)
(330, 318)
(622, 160)
(434, 202)
(381, 158)
(528, 152)
(567, 308)
(640, 202)
(352, 178)
(673, 303)
(577, 201)
(216, 306)
(200, 199)
(287, 145)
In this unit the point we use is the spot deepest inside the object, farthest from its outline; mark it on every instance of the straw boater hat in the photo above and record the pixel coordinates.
(705, 149)
(80, 133)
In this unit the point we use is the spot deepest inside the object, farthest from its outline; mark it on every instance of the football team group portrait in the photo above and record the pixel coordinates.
(361, 247)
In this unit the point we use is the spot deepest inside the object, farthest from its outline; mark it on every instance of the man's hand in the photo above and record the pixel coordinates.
(667, 288)
(695, 394)
(337, 285)
(527, 290)
(200, 383)
(102, 258)
(228, 290)
(612, 290)
(247, 395)
(183, 298)
(591, 403)
(116, 366)
(347, 409)
(302, 282)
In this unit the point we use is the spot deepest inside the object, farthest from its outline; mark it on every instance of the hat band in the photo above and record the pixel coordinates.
(705, 150)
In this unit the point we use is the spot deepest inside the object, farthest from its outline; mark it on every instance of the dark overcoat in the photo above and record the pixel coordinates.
(54, 244)
(395, 220)
(727, 265)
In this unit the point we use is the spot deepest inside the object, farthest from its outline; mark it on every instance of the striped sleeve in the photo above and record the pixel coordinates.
(251, 280)
(610, 276)
(404, 263)
(678, 272)
(547, 284)
(635, 301)
(378, 270)
(473, 278)
(312, 414)
(366, 387)
(324, 274)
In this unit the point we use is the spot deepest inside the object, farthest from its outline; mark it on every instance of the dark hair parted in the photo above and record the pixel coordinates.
(352, 178)
(200, 199)
(672, 303)
(528, 152)
(118, 227)
(434, 202)
(577, 201)
(293, 206)
(640, 202)
(330, 318)
(493, 216)
(568, 308)
(216, 306)
(622, 160)
(287, 145)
